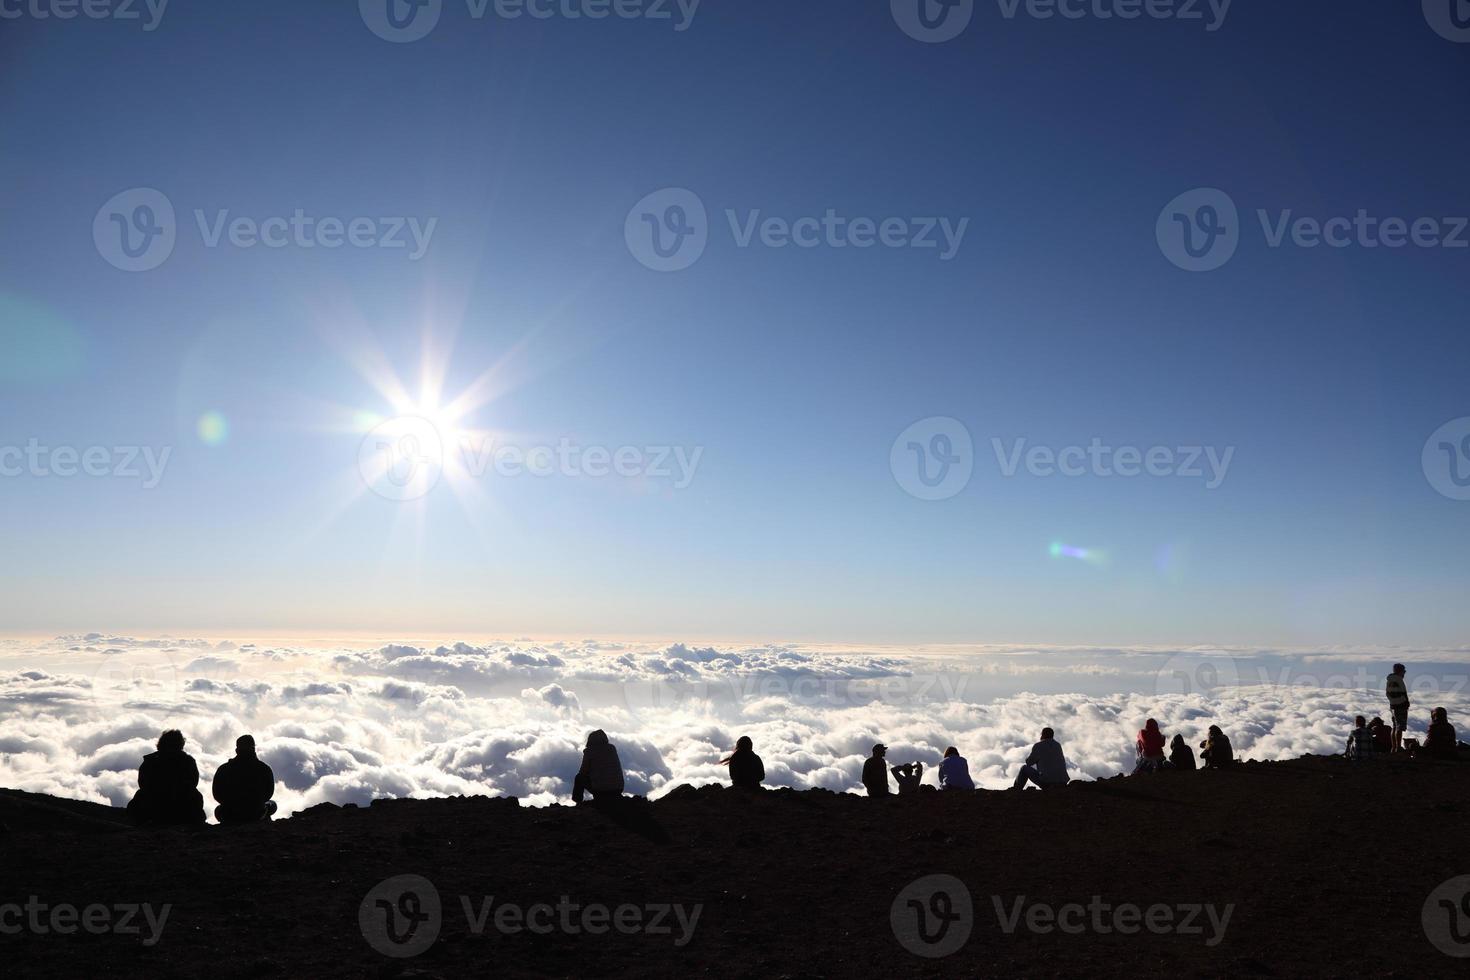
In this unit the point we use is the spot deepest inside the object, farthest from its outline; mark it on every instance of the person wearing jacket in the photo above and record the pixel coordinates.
(746, 769)
(1150, 748)
(1181, 756)
(243, 786)
(168, 786)
(1441, 742)
(1398, 703)
(954, 771)
(875, 772)
(1217, 753)
(1382, 737)
(602, 771)
(1046, 766)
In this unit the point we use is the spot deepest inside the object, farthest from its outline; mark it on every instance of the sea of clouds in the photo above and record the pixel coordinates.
(351, 723)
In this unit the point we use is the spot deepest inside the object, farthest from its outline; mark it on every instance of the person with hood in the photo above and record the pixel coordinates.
(1441, 742)
(1181, 756)
(168, 787)
(746, 769)
(243, 786)
(1217, 753)
(1398, 703)
(1382, 738)
(910, 776)
(602, 771)
(875, 772)
(1046, 766)
(1360, 741)
(1150, 747)
(954, 771)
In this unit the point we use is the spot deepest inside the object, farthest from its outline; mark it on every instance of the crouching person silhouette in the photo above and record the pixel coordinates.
(602, 771)
(243, 786)
(168, 787)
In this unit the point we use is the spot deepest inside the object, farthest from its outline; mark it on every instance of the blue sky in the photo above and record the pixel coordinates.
(1058, 320)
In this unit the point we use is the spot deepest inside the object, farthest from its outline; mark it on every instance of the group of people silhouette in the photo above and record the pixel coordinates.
(168, 779)
(168, 786)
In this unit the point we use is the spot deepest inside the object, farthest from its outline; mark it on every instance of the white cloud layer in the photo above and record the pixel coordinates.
(508, 718)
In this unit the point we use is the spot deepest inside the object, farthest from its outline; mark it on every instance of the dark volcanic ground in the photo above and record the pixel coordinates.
(1328, 867)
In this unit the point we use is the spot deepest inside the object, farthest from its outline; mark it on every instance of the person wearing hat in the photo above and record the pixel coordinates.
(243, 786)
(875, 772)
(1398, 703)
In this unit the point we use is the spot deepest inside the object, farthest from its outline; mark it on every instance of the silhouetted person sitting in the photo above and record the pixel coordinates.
(1441, 742)
(910, 776)
(1382, 737)
(1181, 756)
(602, 771)
(746, 768)
(954, 771)
(875, 772)
(1046, 766)
(1397, 691)
(243, 786)
(1150, 748)
(168, 786)
(1360, 741)
(1217, 753)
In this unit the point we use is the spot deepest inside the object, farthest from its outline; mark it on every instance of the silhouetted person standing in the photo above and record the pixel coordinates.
(910, 776)
(1217, 753)
(746, 769)
(1398, 703)
(1181, 756)
(1441, 742)
(875, 772)
(601, 772)
(1046, 766)
(243, 786)
(168, 786)
(954, 771)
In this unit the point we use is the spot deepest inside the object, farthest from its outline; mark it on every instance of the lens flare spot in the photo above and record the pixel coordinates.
(213, 429)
